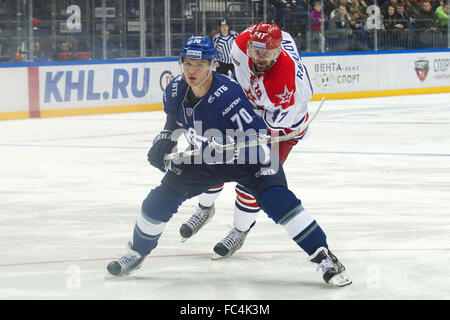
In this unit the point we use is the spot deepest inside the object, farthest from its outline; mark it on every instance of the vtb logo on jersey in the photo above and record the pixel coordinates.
(189, 111)
(421, 67)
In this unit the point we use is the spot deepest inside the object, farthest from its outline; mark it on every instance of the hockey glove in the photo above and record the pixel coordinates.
(162, 145)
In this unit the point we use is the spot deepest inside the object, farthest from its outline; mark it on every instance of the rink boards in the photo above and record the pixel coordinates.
(52, 89)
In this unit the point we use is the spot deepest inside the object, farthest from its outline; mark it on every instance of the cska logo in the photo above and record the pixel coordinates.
(421, 67)
(250, 95)
(285, 97)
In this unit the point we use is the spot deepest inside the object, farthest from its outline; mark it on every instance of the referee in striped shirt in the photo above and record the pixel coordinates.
(223, 41)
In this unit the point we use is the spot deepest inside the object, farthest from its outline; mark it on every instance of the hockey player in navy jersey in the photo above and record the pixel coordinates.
(260, 54)
(207, 106)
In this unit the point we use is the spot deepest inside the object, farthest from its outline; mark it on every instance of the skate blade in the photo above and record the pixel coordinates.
(109, 276)
(184, 239)
(340, 280)
(215, 256)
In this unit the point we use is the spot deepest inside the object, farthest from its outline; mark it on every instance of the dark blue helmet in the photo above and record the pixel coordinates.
(198, 48)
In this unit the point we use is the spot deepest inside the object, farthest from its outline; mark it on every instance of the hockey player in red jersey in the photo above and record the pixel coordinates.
(269, 69)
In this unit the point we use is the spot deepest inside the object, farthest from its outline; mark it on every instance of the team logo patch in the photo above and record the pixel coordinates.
(259, 45)
(189, 111)
(421, 67)
(193, 54)
(285, 97)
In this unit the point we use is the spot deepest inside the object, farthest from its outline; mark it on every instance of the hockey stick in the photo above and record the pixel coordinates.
(234, 146)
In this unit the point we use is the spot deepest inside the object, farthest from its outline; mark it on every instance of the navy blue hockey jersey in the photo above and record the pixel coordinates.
(223, 112)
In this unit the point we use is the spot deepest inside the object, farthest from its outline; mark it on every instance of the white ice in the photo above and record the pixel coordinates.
(375, 174)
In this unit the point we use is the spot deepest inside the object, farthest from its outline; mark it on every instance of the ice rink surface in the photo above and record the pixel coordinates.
(375, 173)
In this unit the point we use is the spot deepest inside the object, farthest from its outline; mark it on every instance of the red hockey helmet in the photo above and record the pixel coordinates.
(266, 36)
(264, 45)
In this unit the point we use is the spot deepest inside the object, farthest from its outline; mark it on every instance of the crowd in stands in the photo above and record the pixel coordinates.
(51, 40)
(64, 51)
(316, 25)
(346, 24)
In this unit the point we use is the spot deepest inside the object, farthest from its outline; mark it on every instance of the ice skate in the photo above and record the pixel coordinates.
(230, 244)
(332, 269)
(127, 263)
(200, 217)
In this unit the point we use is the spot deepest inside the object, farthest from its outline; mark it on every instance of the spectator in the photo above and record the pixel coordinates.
(412, 8)
(426, 24)
(390, 20)
(330, 5)
(442, 14)
(359, 6)
(356, 23)
(318, 18)
(282, 7)
(112, 52)
(404, 19)
(402, 15)
(427, 19)
(343, 3)
(394, 35)
(358, 37)
(223, 42)
(340, 29)
(64, 51)
(299, 6)
(300, 12)
(38, 55)
(435, 4)
(340, 20)
(385, 7)
(303, 6)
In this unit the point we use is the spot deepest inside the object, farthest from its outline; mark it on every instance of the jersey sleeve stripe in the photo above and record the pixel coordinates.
(269, 125)
(305, 118)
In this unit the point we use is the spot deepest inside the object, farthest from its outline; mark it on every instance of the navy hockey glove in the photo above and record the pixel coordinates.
(162, 145)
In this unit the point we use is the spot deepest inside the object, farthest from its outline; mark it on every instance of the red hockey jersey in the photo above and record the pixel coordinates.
(281, 94)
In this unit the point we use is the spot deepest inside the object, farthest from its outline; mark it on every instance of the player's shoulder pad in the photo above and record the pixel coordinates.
(172, 91)
(242, 40)
(281, 89)
(289, 45)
